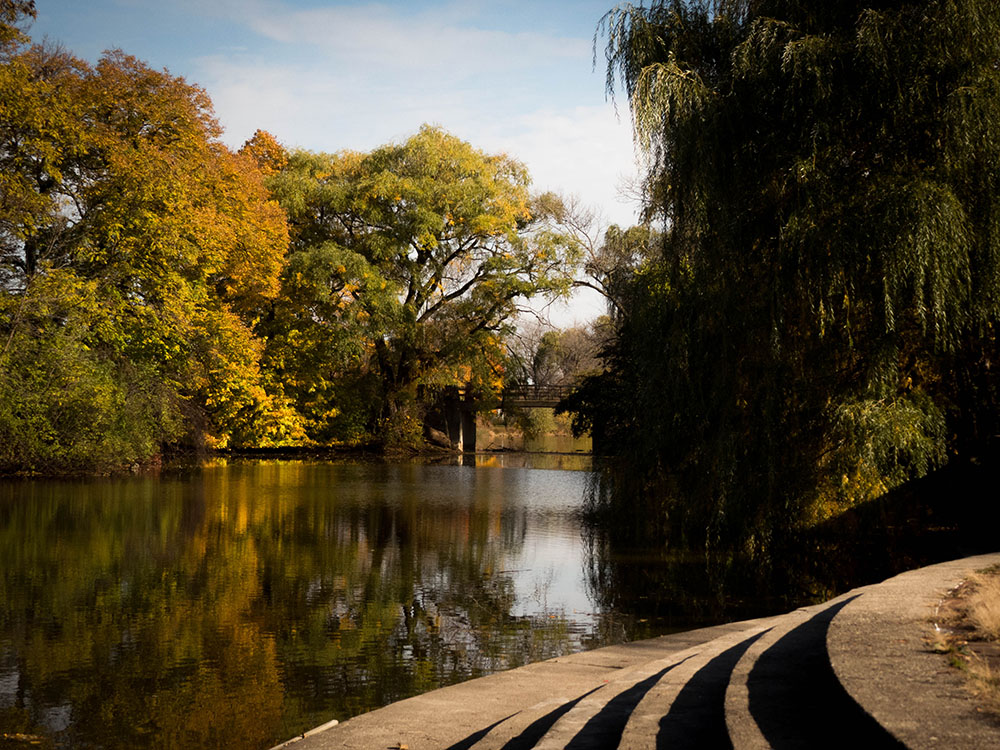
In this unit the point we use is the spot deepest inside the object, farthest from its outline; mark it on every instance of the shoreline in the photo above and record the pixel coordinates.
(895, 690)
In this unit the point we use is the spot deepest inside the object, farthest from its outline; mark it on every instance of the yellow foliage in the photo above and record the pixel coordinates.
(178, 234)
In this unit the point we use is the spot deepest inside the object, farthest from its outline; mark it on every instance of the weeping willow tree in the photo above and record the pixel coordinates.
(821, 323)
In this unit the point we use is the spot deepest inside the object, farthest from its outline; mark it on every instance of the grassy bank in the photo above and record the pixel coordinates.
(968, 631)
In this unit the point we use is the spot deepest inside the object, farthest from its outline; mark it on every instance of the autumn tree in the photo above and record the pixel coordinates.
(408, 262)
(13, 13)
(820, 323)
(134, 251)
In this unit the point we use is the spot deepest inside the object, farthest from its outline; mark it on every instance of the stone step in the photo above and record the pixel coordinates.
(880, 649)
(686, 707)
(598, 721)
(784, 693)
(525, 728)
(743, 730)
(621, 666)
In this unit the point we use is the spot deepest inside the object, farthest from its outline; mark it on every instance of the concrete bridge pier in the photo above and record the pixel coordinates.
(460, 418)
(454, 410)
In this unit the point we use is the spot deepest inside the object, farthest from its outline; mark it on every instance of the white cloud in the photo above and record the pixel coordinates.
(443, 42)
(584, 151)
(587, 152)
(379, 73)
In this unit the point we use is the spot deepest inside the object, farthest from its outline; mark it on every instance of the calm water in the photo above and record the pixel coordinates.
(238, 604)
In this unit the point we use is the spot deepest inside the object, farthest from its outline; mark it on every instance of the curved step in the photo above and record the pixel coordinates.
(601, 720)
(791, 697)
(741, 726)
(624, 666)
(879, 653)
(525, 728)
(685, 709)
(459, 717)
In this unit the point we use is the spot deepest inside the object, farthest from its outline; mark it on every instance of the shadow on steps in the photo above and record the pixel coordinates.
(605, 729)
(537, 729)
(797, 701)
(470, 741)
(697, 717)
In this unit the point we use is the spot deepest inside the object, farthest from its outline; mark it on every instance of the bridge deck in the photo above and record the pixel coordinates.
(535, 396)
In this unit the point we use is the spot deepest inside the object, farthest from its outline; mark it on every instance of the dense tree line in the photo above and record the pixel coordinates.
(134, 251)
(819, 323)
(408, 266)
(158, 288)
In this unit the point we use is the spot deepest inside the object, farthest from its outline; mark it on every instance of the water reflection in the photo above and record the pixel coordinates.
(246, 602)
(655, 587)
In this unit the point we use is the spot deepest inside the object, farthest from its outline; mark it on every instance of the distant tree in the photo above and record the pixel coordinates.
(821, 322)
(609, 254)
(610, 267)
(541, 354)
(411, 261)
(265, 151)
(565, 356)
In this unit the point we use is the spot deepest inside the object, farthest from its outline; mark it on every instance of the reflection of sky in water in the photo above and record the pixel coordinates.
(533, 520)
(8, 687)
(550, 580)
(548, 569)
(303, 588)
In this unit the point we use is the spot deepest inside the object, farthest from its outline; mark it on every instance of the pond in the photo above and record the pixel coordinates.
(241, 602)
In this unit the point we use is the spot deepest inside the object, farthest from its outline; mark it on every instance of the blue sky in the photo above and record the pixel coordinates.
(507, 75)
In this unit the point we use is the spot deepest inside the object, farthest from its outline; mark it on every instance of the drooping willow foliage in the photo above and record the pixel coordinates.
(821, 324)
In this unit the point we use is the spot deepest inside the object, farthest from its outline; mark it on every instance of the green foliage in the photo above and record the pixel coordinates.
(408, 264)
(619, 254)
(822, 311)
(534, 422)
(551, 356)
(320, 334)
(135, 252)
(64, 404)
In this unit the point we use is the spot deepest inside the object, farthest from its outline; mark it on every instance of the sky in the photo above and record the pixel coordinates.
(511, 76)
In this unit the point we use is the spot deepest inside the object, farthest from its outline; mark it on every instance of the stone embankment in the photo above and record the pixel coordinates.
(855, 671)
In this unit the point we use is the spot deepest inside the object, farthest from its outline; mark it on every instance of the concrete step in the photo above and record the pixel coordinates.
(622, 666)
(598, 721)
(686, 707)
(879, 649)
(785, 694)
(741, 726)
(524, 729)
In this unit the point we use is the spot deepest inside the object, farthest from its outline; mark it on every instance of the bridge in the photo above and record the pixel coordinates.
(534, 396)
(456, 409)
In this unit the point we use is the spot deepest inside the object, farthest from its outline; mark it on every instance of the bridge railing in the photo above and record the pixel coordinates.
(535, 395)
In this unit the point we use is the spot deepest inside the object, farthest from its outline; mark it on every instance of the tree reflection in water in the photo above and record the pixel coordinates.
(244, 603)
(657, 586)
